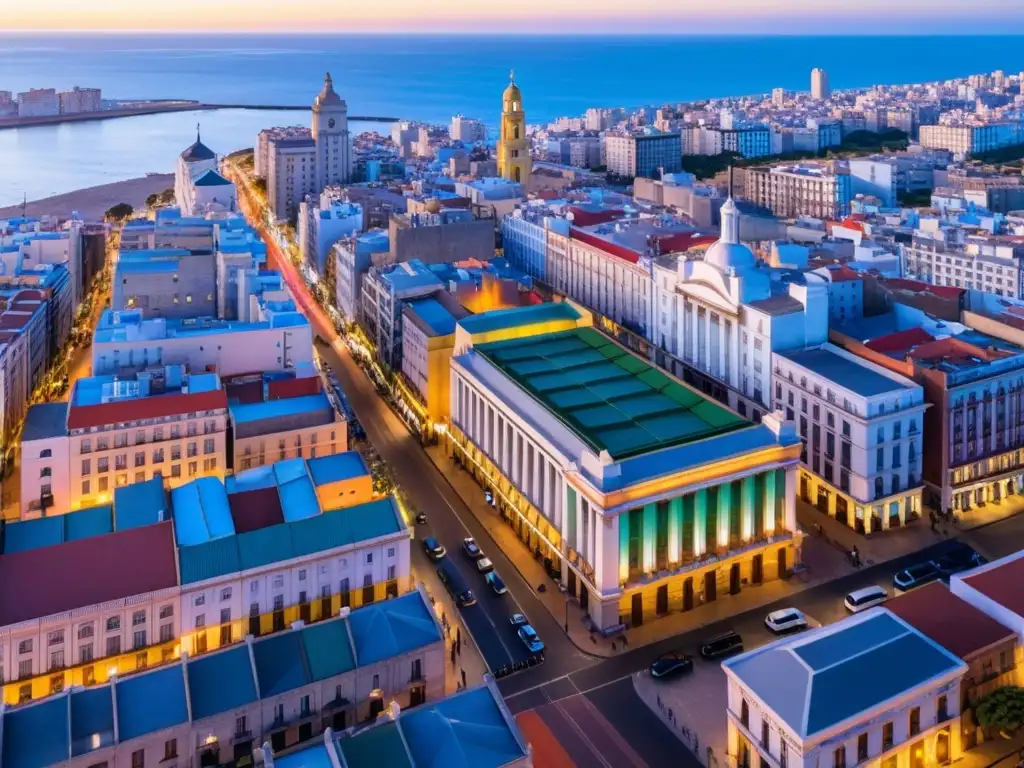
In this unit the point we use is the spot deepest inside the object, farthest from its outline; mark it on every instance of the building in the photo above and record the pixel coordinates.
(888, 177)
(385, 291)
(353, 257)
(821, 190)
(951, 257)
(322, 225)
(278, 691)
(646, 153)
(118, 430)
(753, 141)
(820, 89)
(27, 244)
(428, 339)
(299, 163)
(278, 338)
(524, 236)
(560, 428)
(845, 292)
(278, 418)
(468, 130)
(966, 140)
(174, 283)
(79, 100)
(987, 647)
(499, 195)
(441, 237)
(38, 102)
(862, 430)
(514, 161)
(262, 153)
(868, 688)
(199, 188)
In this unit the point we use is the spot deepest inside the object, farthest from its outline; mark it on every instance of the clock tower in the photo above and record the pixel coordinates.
(333, 142)
(514, 161)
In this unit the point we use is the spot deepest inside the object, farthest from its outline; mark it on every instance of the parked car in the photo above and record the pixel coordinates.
(915, 576)
(434, 549)
(723, 645)
(954, 562)
(494, 581)
(484, 565)
(671, 664)
(862, 599)
(518, 620)
(470, 547)
(529, 637)
(421, 518)
(785, 620)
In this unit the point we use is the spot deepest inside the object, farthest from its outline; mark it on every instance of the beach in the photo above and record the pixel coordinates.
(92, 202)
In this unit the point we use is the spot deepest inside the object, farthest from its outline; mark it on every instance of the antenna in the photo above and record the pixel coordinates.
(24, 204)
(730, 180)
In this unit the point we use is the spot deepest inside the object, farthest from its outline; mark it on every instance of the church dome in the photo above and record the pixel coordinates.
(512, 93)
(729, 254)
(198, 152)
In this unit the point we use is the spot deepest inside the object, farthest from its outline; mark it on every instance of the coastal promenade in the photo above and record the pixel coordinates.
(160, 107)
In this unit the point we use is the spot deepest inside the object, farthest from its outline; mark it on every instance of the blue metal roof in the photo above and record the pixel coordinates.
(338, 467)
(379, 745)
(846, 373)
(147, 267)
(314, 757)
(432, 312)
(298, 499)
(208, 560)
(36, 735)
(47, 531)
(151, 701)
(328, 649)
(201, 512)
(140, 504)
(500, 319)
(45, 420)
(220, 682)
(280, 663)
(242, 413)
(819, 680)
(92, 720)
(391, 628)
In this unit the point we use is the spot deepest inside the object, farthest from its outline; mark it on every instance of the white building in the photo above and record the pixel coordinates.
(964, 140)
(199, 188)
(821, 190)
(862, 428)
(820, 89)
(323, 224)
(868, 690)
(468, 130)
(38, 102)
(951, 257)
(261, 158)
(79, 100)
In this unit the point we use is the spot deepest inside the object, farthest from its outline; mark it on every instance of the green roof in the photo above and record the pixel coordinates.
(499, 319)
(253, 549)
(610, 398)
(376, 746)
(328, 649)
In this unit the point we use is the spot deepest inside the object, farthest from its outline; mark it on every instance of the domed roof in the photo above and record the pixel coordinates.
(198, 151)
(729, 254)
(328, 97)
(512, 93)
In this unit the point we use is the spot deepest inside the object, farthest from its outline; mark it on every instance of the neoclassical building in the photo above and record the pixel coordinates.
(514, 161)
(199, 187)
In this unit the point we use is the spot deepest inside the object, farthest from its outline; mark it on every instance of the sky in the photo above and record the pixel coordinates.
(518, 16)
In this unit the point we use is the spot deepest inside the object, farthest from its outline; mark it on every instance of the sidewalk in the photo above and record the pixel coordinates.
(994, 752)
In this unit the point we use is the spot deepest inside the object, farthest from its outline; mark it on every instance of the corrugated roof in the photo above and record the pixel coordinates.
(153, 407)
(380, 745)
(1001, 581)
(339, 466)
(281, 663)
(221, 682)
(92, 716)
(274, 409)
(255, 509)
(312, 757)
(90, 571)
(45, 420)
(36, 735)
(139, 504)
(209, 560)
(328, 649)
(24, 535)
(201, 511)
(500, 319)
(391, 628)
(150, 702)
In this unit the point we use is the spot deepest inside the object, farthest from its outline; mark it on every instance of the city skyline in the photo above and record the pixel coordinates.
(533, 16)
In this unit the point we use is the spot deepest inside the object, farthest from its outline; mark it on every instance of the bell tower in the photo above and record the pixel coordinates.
(514, 161)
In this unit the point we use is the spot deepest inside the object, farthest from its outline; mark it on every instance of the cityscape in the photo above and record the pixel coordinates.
(698, 426)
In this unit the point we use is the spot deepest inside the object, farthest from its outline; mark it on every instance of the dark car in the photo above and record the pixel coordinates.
(671, 664)
(955, 562)
(469, 546)
(723, 645)
(421, 518)
(915, 576)
(435, 551)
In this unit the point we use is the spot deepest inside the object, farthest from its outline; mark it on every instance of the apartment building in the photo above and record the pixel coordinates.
(352, 259)
(38, 102)
(951, 257)
(642, 154)
(862, 429)
(79, 100)
(822, 191)
(115, 431)
(468, 130)
(966, 140)
(323, 223)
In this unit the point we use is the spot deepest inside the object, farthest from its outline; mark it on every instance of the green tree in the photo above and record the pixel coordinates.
(119, 212)
(152, 200)
(1002, 710)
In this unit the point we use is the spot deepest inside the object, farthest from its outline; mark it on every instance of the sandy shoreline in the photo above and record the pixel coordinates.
(92, 202)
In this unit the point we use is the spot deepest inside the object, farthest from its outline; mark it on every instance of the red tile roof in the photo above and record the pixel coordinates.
(253, 510)
(48, 580)
(844, 274)
(154, 407)
(951, 622)
(916, 286)
(901, 341)
(1002, 583)
(954, 350)
(280, 389)
(621, 251)
(582, 217)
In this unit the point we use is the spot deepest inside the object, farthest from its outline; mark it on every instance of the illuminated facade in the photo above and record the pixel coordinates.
(514, 161)
(641, 495)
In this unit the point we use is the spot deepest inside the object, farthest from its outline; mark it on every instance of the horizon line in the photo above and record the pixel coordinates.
(475, 33)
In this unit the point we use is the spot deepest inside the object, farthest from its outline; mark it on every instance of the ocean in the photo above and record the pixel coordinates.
(415, 77)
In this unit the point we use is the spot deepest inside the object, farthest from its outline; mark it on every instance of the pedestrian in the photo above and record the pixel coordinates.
(670, 715)
(696, 742)
(458, 635)
(659, 701)
(463, 677)
(453, 655)
(458, 647)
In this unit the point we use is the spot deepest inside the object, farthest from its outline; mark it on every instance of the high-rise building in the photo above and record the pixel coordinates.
(467, 129)
(778, 97)
(330, 132)
(819, 84)
(514, 161)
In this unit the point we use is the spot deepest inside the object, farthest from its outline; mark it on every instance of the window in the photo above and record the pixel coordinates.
(139, 617)
(85, 653)
(417, 671)
(25, 670)
(225, 594)
(304, 706)
(55, 638)
(166, 633)
(744, 714)
(302, 575)
(166, 611)
(114, 645)
(200, 600)
(886, 737)
(915, 721)
(942, 710)
(86, 466)
(139, 758)
(170, 749)
(200, 621)
(57, 660)
(765, 732)
(85, 631)
(208, 445)
(376, 683)
(862, 747)
(139, 639)
(839, 757)
(241, 725)
(25, 646)
(783, 754)
(86, 486)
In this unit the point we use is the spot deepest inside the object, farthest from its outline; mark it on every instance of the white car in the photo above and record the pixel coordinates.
(862, 599)
(484, 565)
(785, 620)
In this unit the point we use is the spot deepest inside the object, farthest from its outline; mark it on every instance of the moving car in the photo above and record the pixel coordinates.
(529, 637)
(723, 645)
(862, 599)
(671, 664)
(518, 620)
(470, 547)
(495, 583)
(915, 576)
(484, 565)
(434, 549)
(455, 584)
(785, 620)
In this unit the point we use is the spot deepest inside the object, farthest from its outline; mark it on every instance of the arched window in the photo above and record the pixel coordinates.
(44, 472)
(45, 453)
(515, 132)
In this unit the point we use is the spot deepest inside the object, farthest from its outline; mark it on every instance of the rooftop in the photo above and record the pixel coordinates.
(439, 320)
(337, 467)
(1000, 582)
(826, 677)
(611, 399)
(245, 413)
(846, 373)
(500, 319)
(951, 622)
(45, 420)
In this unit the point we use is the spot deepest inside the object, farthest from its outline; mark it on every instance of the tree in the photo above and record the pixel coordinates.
(1002, 710)
(119, 212)
(152, 200)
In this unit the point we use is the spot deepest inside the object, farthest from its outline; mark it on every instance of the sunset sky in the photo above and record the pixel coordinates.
(550, 16)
